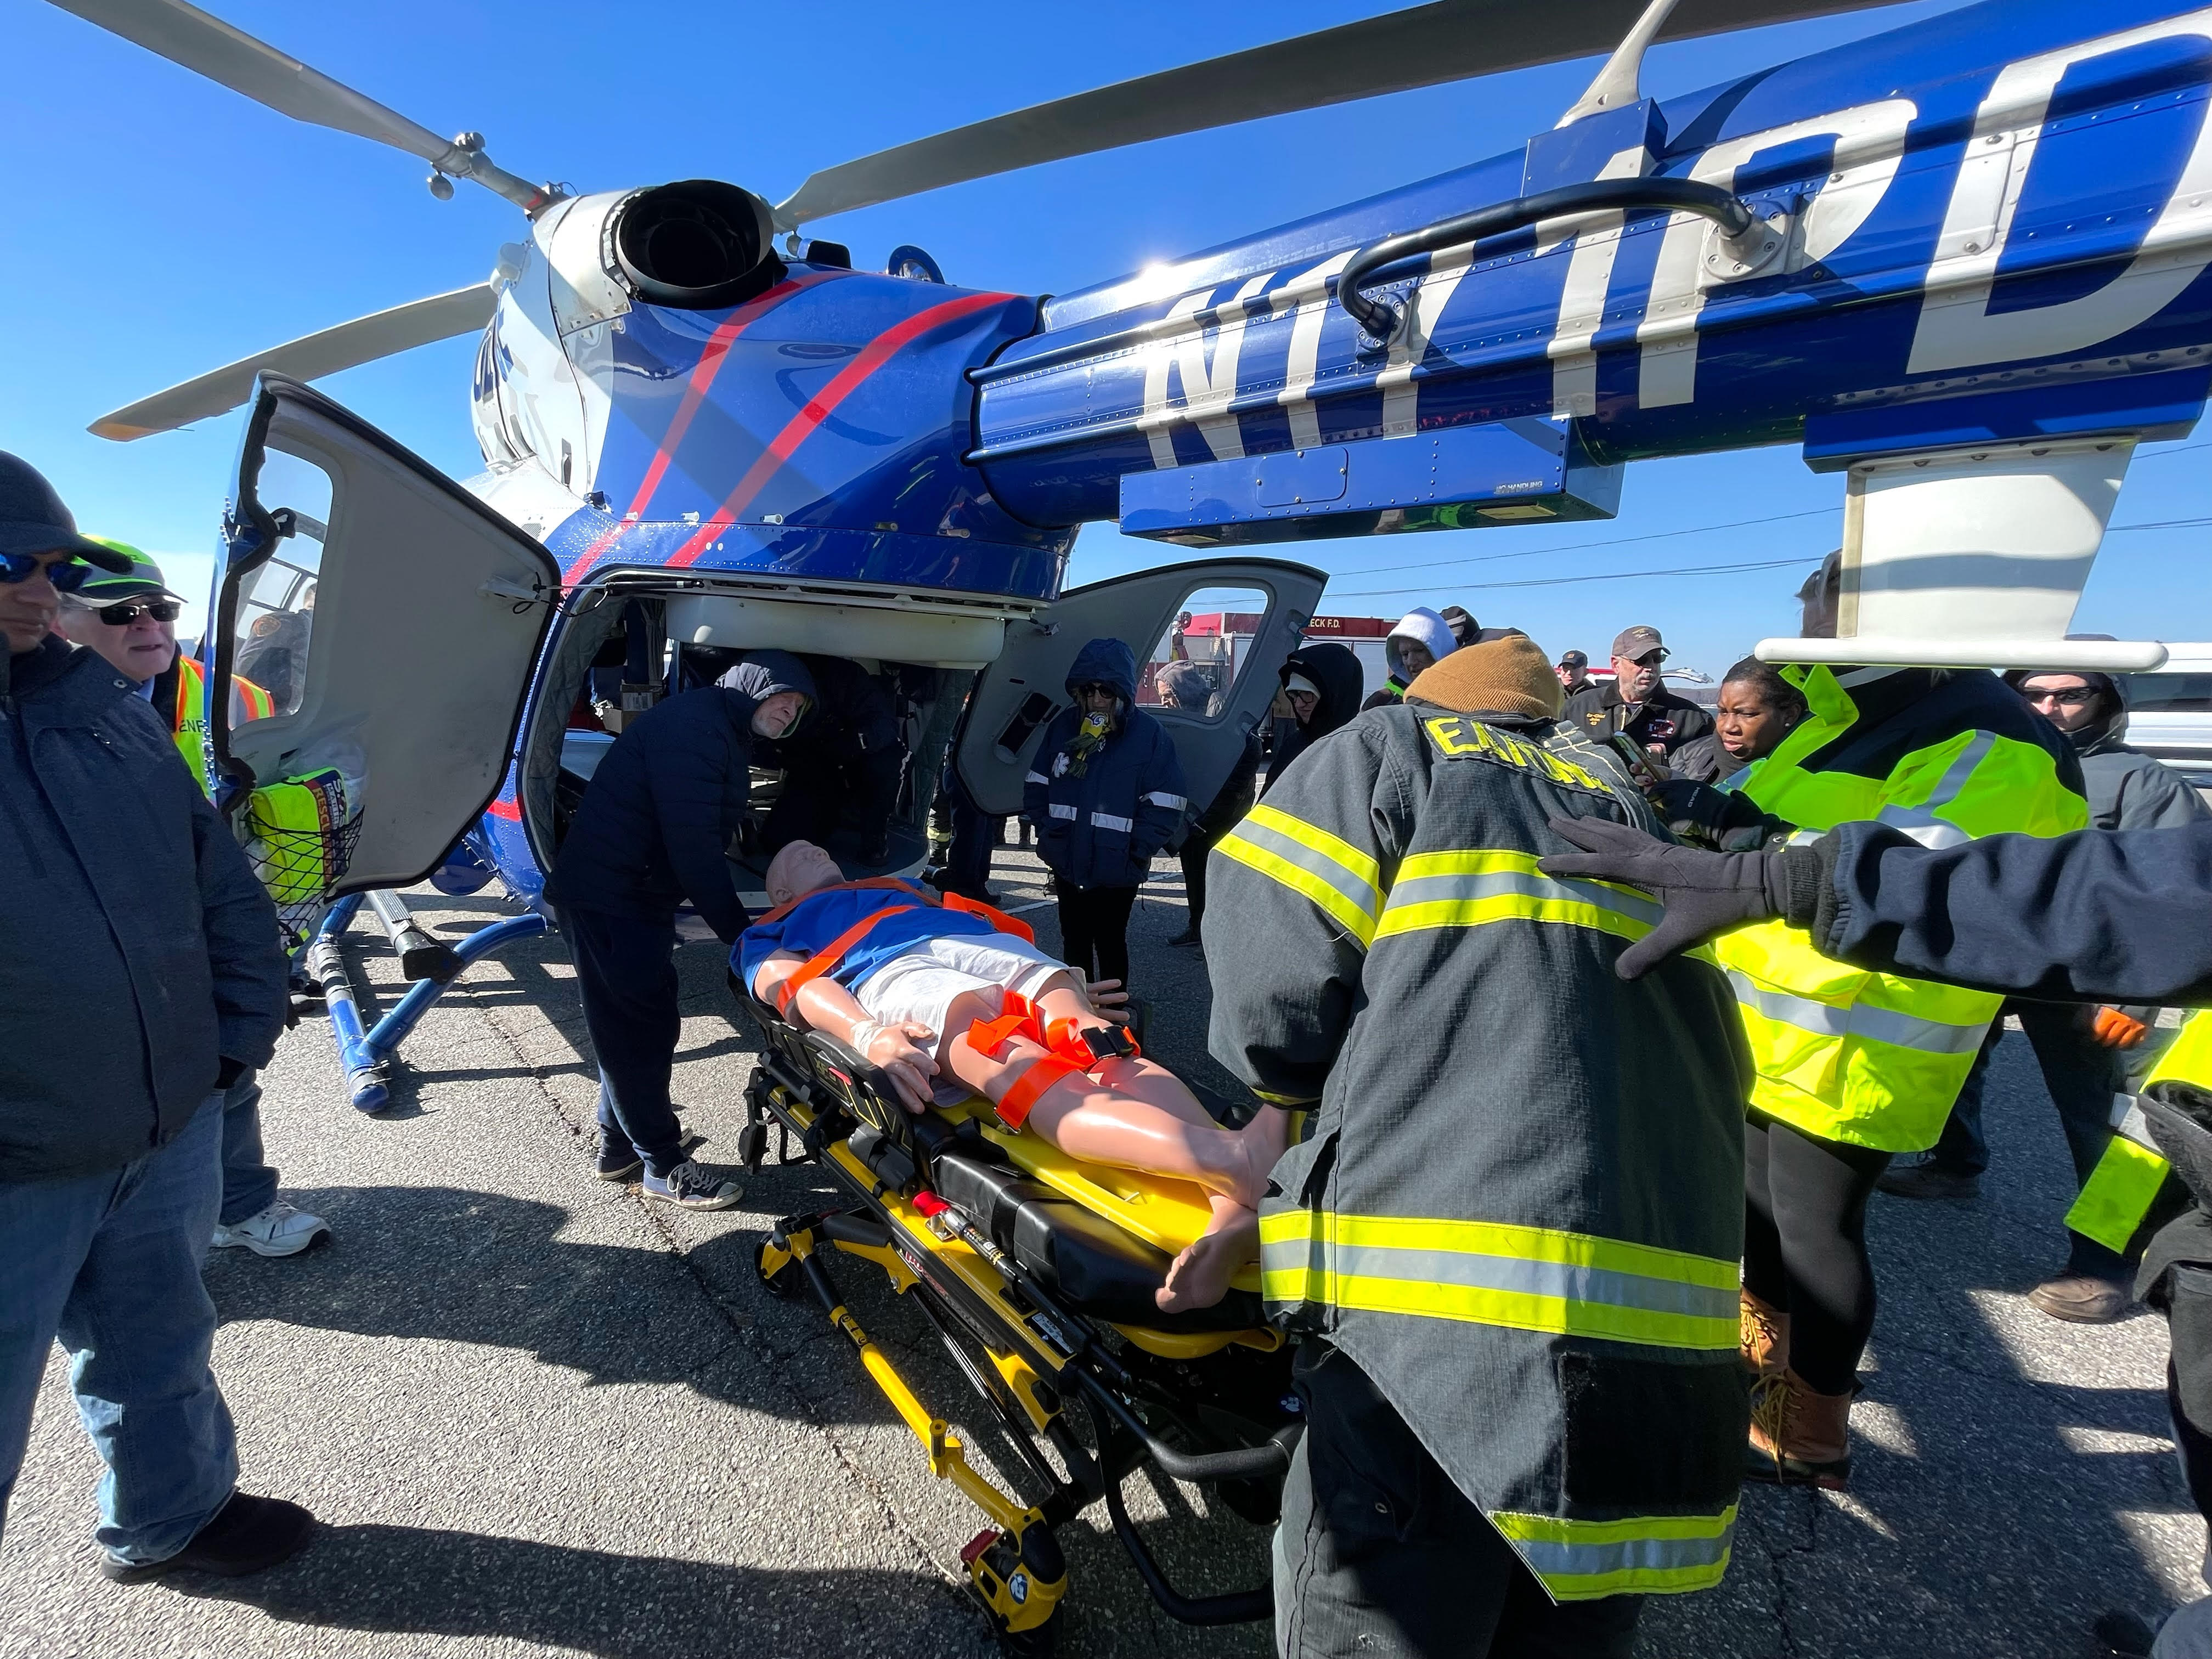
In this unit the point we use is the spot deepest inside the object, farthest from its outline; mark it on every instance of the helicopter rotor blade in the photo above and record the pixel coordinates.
(363, 340)
(207, 45)
(1421, 46)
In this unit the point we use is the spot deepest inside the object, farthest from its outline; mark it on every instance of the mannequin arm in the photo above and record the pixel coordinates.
(822, 1005)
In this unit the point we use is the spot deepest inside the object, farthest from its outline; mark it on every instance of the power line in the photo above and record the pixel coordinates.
(1576, 547)
(1667, 535)
(1684, 570)
(1609, 576)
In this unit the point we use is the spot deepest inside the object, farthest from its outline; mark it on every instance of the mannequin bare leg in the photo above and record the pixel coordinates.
(1128, 1111)
(1137, 1115)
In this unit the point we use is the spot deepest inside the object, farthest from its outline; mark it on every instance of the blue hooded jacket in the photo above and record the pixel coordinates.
(1100, 826)
(653, 828)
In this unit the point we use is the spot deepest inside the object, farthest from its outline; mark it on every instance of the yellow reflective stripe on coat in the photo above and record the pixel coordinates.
(1648, 1554)
(1487, 1272)
(1465, 890)
(1345, 882)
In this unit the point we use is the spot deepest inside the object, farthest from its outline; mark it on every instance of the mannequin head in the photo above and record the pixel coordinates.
(799, 869)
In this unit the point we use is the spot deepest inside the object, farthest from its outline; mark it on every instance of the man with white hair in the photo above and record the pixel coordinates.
(129, 622)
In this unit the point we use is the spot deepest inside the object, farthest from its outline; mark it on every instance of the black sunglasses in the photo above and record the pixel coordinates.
(1094, 689)
(124, 612)
(67, 575)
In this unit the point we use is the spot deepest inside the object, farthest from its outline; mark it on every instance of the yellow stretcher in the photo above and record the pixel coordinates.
(1037, 1270)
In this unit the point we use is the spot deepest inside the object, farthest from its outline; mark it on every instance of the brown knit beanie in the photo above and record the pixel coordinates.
(1511, 675)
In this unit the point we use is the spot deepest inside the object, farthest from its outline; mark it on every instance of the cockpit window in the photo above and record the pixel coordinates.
(276, 614)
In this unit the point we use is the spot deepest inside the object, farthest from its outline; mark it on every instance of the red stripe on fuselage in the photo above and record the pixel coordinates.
(696, 388)
(796, 431)
(509, 810)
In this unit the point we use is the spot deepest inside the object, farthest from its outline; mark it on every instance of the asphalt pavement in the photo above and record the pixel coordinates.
(538, 1418)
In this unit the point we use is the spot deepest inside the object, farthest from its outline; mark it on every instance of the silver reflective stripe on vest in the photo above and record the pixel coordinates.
(1037, 777)
(1108, 821)
(1920, 822)
(1932, 1037)
(1549, 1559)
(1161, 798)
(1059, 810)
(2127, 1121)
(1519, 1276)
(1497, 884)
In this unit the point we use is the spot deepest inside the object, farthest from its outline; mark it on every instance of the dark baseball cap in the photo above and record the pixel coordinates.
(1634, 642)
(33, 520)
(1575, 659)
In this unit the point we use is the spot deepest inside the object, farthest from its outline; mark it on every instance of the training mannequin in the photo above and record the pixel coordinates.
(907, 995)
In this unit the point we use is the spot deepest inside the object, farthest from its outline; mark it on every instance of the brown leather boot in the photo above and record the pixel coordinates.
(1765, 1339)
(1798, 1437)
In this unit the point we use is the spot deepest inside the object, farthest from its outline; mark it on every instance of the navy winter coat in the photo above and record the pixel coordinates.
(652, 829)
(1100, 828)
(2059, 920)
(137, 951)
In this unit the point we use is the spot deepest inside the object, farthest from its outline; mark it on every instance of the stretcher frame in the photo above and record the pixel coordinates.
(1031, 1359)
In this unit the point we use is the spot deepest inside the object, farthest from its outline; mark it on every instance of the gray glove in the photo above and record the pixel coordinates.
(1705, 894)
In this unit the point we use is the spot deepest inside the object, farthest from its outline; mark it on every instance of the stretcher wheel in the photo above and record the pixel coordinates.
(1041, 1641)
(784, 1282)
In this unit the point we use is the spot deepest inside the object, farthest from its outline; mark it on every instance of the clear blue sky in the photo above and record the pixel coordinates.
(159, 226)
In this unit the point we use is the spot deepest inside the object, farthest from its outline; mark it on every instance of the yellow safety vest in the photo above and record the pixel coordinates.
(2120, 1190)
(188, 720)
(1872, 1059)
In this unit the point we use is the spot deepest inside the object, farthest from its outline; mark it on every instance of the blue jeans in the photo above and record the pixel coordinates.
(110, 1265)
(249, 1185)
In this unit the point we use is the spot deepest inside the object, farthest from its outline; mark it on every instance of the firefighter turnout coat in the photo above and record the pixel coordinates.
(1518, 1207)
(1874, 1059)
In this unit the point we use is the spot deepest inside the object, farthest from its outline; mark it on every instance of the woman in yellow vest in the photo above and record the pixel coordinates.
(1854, 1066)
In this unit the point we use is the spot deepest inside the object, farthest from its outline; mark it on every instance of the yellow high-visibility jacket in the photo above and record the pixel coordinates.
(188, 712)
(1874, 1059)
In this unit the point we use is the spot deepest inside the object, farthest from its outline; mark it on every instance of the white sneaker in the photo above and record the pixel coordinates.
(280, 1230)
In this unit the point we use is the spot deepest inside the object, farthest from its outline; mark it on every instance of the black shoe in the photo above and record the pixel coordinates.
(1929, 1180)
(2123, 1636)
(618, 1159)
(248, 1534)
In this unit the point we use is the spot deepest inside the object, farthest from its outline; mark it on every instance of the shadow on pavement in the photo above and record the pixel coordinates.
(388, 1578)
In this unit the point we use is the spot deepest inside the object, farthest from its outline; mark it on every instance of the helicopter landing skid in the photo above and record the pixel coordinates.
(365, 1052)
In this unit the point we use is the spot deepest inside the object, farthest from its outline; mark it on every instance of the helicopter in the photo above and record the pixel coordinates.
(1962, 263)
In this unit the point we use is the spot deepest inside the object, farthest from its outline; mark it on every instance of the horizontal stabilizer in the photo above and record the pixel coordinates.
(363, 340)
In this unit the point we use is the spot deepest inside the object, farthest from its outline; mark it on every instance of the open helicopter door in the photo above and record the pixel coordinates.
(1235, 620)
(386, 622)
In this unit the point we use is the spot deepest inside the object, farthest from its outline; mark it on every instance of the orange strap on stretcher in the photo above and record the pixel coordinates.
(829, 956)
(826, 958)
(1066, 1053)
(998, 919)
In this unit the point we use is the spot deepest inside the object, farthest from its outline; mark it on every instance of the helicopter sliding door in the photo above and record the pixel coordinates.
(382, 621)
(1208, 638)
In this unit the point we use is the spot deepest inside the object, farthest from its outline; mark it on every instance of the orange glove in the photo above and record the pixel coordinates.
(2116, 1029)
